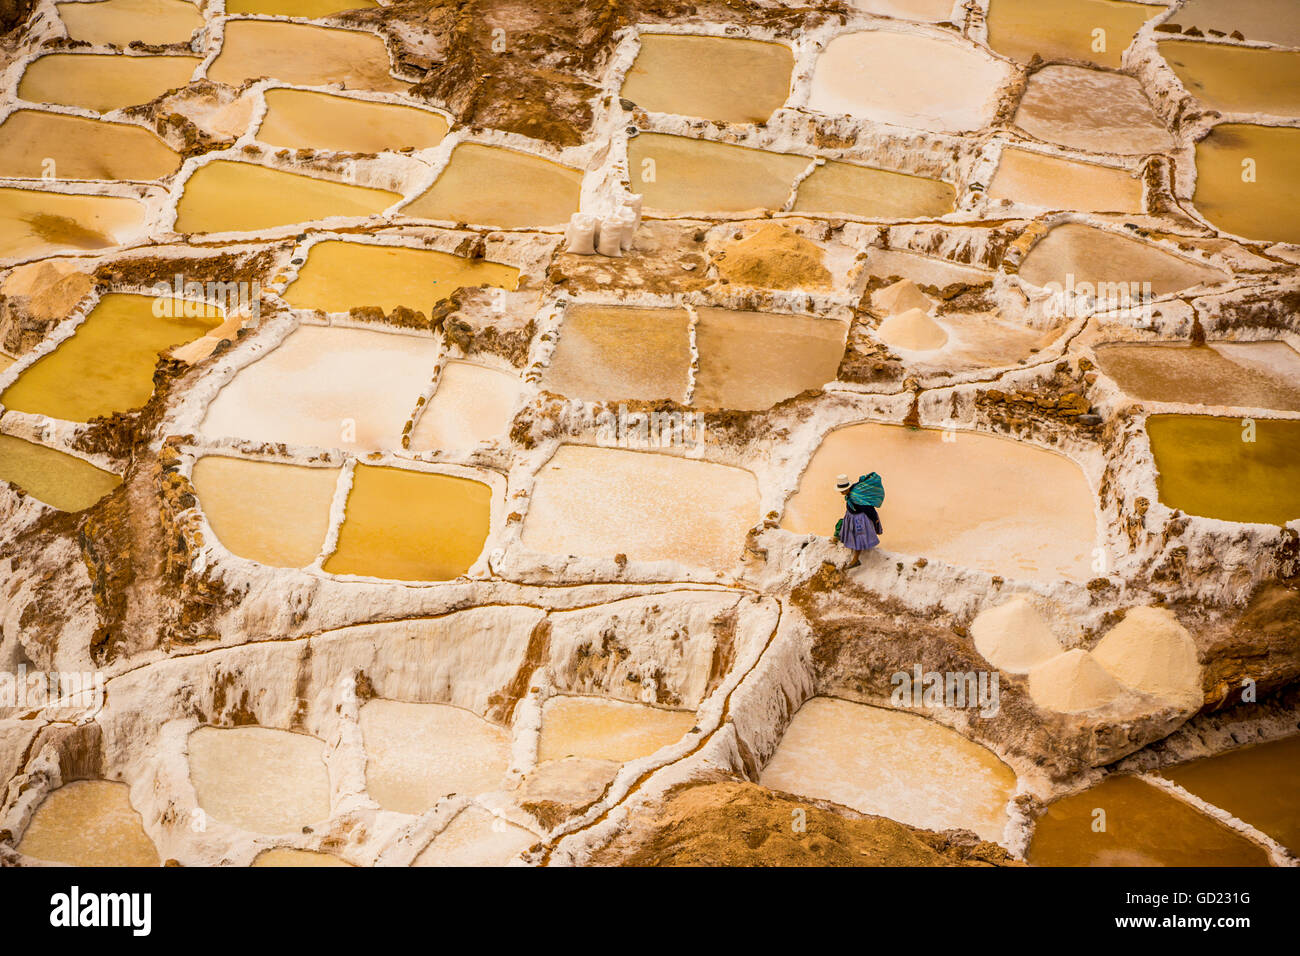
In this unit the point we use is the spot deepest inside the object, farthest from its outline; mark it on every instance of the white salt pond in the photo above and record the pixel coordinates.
(472, 404)
(527, 191)
(921, 81)
(101, 82)
(304, 55)
(119, 22)
(345, 388)
(34, 223)
(1050, 182)
(615, 730)
(892, 764)
(266, 511)
(601, 502)
(306, 118)
(417, 754)
(88, 823)
(979, 501)
(1093, 110)
(1097, 256)
(259, 779)
(306, 9)
(476, 837)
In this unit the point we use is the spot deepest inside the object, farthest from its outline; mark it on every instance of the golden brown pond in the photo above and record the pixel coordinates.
(39, 223)
(1248, 180)
(305, 118)
(525, 190)
(60, 481)
(1066, 29)
(305, 55)
(696, 76)
(120, 21)
(80, 148)
(1237, 79)
(103, 83)
(610, 353)
(677, 174)
(88, 823)
(1244, 374)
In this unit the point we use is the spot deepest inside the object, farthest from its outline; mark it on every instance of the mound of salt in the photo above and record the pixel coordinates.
(1014, 637)
(912, 331)
(1150, 651)
(902, 296)
(1072, 682)
(774, 258)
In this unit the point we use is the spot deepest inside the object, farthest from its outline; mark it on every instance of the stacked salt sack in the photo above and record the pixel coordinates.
(611, 235)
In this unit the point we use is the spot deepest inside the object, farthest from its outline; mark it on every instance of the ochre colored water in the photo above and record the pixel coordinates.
(121, 21)
(351, 389)
(339, 276)
(107, 364)
(1207, 468)
(1246, 375)
(1096, 256)
(614, 353)
(304, 55)
(1267, 207)
(1237, 79)
(907, 79)
(1092, 110)
(61, 481)
(80, 148)
(304, 118)
(265, 511)
(472, 404)
(607, 729)
(752, 360)
(931, 10)
(285, 856)
(1269, 21)
(697, 76)
(1065, 29)
(1259, 785)
(1143, 826)
(225, 196)
(88, 823)
(411, 525)
(260, 779)
(103, 83)
(416, 754)
(526, 191)
(40, 223)
(476, 837)
(852, 190)
(1040, 180)
(895, 764)
(979, 501)
(677, 174)
(304, 9)
(601, 502)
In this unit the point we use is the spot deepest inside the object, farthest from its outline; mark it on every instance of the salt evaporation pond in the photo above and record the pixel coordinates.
(266, 511)
(696, 76)
(304, 9)
(304, 55)
(88, 823)
(328, 387)
(1064, 29)
(527, 191)
(601, 502)
(260, 779)
(306, 118)
(677, 174)
(61, 481)
(931, 10)
(226, 196)
(925, 82)
(476, 837)
(1050, 182)
(599, 729)
(979, 501)
(1268, 21)
(621, 353)
(1234, 374)
(42, 223)
(107, 364)
(103, 83)
(892, 764)
(1091, 110)
(1207, 466)
(80, 148)
(286, 856)
(411, 525)
(1097, 256)
(752, 360)
(1237, 79)
(339, 276)
(1259, 785)
(1143, 826)
(472, 404)
(121, 21)
(417, 754)
(1266, 207)
(852, 190)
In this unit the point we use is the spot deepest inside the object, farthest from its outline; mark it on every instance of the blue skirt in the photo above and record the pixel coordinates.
(857, 533)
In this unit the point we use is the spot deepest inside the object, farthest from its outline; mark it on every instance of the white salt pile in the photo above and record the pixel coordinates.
(1151, 652)
(1014, 637)
(1072, 682)
(899, 297)
(912, 331)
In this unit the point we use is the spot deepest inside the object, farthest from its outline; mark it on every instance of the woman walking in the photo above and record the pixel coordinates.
(860, 527)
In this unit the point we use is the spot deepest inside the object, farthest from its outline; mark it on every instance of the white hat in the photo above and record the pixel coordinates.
(842, 482)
